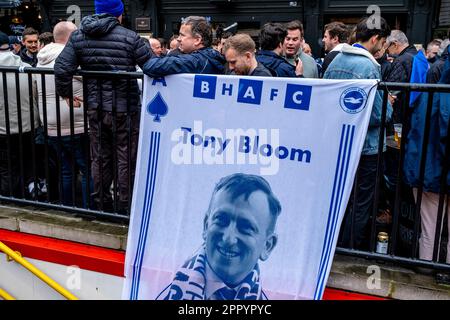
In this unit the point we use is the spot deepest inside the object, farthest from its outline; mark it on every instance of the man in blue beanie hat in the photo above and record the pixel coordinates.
(112, 7)
(103, 44)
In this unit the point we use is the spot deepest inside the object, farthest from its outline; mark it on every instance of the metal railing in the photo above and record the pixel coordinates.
(403, 245)
(40, 177)
(5, 295)
(403, 230)
(38, 273)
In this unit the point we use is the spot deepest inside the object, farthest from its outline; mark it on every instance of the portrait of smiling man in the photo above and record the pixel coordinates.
(238, 231)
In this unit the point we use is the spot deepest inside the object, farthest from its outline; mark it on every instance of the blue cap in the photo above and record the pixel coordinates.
(114, 7)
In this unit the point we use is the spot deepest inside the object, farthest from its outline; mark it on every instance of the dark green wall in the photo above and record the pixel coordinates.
(415, 17)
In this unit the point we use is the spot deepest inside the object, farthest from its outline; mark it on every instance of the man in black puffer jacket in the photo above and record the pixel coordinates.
(398, 44)
(401, 69)
(102, 44)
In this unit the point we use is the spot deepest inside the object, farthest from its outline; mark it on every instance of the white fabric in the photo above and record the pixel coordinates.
(195, 280)
(8, 59)
(346, 48)
(338, 47)
(46, 59)
(177, 170)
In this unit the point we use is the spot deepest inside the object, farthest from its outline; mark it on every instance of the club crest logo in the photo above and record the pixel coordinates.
(353, 100)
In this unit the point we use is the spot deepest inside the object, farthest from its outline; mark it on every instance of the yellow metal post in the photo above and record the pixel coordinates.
(5, 295)
(50, 282)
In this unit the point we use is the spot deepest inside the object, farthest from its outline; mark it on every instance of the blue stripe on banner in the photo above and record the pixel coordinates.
(327, 230)
(347, 163)
(141, 231)
(145, 218)
(150, 183)
(148, 200)
(334, 196)
(152, 193)
(336, 204)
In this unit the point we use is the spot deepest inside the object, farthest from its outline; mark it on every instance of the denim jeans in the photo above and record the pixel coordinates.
(67, 158)
(365, 190)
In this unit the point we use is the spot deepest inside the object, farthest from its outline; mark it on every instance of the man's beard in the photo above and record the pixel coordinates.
(244, 71)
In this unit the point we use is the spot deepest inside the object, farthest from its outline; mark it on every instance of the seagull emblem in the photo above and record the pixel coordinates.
(353, 100)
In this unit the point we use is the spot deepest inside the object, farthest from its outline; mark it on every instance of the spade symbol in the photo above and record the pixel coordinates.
(157, 107)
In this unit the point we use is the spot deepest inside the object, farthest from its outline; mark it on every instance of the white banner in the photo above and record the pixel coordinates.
(241, 185)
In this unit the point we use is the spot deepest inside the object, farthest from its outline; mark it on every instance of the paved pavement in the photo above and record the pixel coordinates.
(347, 273)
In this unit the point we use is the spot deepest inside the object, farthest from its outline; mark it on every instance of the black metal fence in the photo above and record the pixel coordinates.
(395, 197)
(46, 162)
(45, 152)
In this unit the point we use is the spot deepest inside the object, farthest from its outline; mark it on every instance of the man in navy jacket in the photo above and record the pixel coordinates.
(271, 39)
(436, 162)
(198, 57)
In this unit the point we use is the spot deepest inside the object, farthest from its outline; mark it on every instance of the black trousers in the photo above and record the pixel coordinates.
(15, 173)
(113, 150)
(360, 206)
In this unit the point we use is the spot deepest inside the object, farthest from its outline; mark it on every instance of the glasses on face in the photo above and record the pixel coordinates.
(387, 46)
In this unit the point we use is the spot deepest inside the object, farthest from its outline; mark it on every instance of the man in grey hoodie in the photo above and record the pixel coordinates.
(63, 145)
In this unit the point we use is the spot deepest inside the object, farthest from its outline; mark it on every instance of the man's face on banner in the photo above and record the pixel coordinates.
(237, 233)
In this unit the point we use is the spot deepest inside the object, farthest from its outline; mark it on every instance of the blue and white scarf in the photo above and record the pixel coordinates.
(190, 283)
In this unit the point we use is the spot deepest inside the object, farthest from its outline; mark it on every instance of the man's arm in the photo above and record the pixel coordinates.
(160, 67)
(65, 67)
(434, 74)
(310, 66)
(375, 116)
(142, 53)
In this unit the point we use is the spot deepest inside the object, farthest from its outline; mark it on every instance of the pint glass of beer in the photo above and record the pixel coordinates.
(398, 133)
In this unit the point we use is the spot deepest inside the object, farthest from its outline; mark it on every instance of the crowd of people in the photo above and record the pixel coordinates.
(101, 43)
